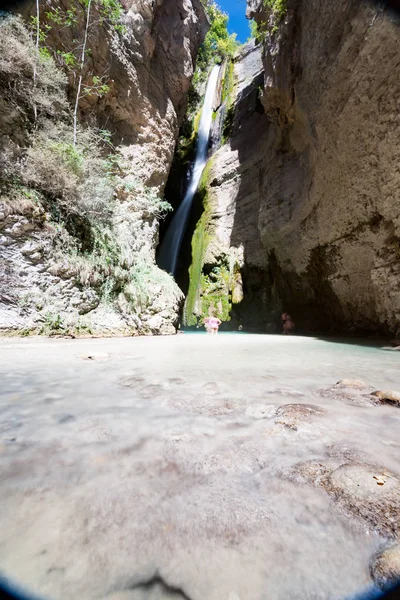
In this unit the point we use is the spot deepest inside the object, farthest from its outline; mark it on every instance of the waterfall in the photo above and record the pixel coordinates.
(173, 239)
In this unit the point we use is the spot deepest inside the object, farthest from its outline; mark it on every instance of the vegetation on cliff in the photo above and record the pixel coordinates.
(211, 286)
(80, 18)
(96, 222)
(219, 45)
(227, 100)
(214, 285)
(273, 12)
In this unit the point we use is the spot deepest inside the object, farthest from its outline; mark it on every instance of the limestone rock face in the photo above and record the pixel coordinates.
(331, 219)
(309, 177)
(148, 66)
(230, 220)
(149, 69)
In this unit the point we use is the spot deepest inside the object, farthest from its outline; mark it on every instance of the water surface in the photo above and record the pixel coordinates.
(162, 459)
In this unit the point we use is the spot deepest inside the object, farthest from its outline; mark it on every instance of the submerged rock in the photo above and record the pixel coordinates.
(369, 492)
(352, 383)
(261, 411)
(314, 472)
(183, 484)
(291, 415)
(351, 391)
(388, 397)
(360, 393)
(385, 568)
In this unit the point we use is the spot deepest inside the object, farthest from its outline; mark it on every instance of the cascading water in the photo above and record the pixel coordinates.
(173, 239)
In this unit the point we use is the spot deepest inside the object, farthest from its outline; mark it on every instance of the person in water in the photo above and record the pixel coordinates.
(287, 323)
(212, 325)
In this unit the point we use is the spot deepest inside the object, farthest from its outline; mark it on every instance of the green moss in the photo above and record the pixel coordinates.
(208, 291)
(215, 293)
(278, 7)
(196, 124)
(199, 245)
(276, 10)
(187, 142)
(228, 98)
(228, 83)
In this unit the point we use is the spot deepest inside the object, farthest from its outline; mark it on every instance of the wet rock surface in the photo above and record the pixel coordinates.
(182, 468)
(360, 393)
(385, 568)
(388, 397)
(371, 492)
(292, 414)
(351, 391)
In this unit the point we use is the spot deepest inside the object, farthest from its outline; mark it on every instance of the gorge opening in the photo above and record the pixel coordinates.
(172, 242)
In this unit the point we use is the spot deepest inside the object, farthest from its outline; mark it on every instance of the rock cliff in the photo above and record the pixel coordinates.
(60, 273)
(222, 252)
(305, 189)
(149, 68)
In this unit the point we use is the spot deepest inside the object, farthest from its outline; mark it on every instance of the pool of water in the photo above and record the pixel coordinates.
(128, 462)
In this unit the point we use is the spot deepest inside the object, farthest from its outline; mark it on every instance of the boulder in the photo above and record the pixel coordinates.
(352, 391)
(369, 492)
(292, 415)
(385, 568)
(352, 383)
(388, 397)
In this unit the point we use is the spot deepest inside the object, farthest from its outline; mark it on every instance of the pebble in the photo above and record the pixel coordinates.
(94, 356)
(61, 419)
(49, 398)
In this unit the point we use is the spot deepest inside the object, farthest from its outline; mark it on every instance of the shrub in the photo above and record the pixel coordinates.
(146, 281)
(141, 198)
(278, 7)
(74, 177)
(99, 223)
(17, 63)
(275, 11)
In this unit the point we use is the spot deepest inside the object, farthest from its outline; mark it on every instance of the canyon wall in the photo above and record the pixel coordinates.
(50, 277)
(149, 69)
(305, 190)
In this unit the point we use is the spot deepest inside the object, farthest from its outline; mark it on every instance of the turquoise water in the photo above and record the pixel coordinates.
(161, 455)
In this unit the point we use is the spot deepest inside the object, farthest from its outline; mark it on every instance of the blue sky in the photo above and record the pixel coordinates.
(238, 23)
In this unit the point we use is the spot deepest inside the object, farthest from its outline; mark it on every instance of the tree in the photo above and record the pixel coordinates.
(36, 25)
(218, 44)
(92, 13)
(82, 64)
(274, 11)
